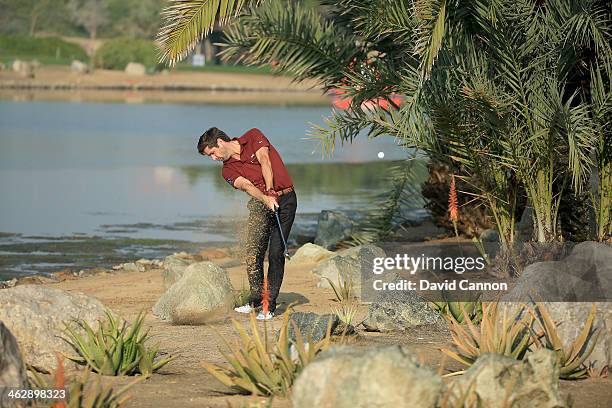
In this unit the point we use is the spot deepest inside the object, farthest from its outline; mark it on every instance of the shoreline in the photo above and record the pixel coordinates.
(62, 78)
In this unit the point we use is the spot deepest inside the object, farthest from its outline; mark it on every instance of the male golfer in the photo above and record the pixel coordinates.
(252, 164)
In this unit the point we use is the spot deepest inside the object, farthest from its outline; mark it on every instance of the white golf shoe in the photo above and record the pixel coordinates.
(267, 316)
(244, 309)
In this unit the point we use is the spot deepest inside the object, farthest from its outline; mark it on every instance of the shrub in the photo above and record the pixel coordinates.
(118, 52)
(459, 310)
(80, 392)
(115, 349)
(29, 47)
(261, 367)
(571, 358)
(508, 334)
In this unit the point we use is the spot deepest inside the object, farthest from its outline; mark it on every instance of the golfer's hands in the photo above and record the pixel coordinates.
(270, 202)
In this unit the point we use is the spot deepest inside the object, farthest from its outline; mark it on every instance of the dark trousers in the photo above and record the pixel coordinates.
(262, 234)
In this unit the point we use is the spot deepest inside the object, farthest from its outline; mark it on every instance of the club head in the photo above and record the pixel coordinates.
(287, 256)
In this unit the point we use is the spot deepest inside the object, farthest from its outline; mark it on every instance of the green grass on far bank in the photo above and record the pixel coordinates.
(47, 50)
(115, 54)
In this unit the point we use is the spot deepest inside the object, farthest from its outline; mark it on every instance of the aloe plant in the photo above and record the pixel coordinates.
(343, 288)
(571, 358)
(260, 367)
(115, 348)
(472, 309)
(81, 392)
(504, 333)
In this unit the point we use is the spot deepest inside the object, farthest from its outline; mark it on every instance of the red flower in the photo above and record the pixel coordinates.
(452, 201)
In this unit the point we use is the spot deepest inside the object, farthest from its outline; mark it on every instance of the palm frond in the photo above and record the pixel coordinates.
(293, 39)
(187, 21)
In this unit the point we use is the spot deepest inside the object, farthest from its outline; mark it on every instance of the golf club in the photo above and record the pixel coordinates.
(280, 230)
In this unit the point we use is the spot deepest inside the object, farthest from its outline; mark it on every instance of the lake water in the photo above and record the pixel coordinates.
(132, 170)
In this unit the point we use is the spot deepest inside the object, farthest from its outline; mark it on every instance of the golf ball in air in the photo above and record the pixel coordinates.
(381, 155)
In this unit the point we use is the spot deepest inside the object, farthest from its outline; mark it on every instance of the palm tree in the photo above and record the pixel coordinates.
(514, 94)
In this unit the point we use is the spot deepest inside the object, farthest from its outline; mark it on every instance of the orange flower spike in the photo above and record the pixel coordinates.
(452, 202)
(265, 301)
(59, 380)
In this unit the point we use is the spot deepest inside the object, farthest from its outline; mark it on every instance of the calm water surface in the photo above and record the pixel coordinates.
(132, 170)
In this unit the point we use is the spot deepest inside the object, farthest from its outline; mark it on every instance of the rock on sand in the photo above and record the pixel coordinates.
(37, 315)
(365, 378)
(202, 294)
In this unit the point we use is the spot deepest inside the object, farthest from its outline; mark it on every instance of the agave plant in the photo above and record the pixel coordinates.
(346, 313)
(80, 391)
(260, 367)
(343, 288)
(459, 310)
(115, 348)
(502, 332)
(573, 356)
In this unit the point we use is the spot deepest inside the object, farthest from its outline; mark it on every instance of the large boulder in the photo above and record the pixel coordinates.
(174, 267)
(37, 316)
(365, 378)
(304, 230)
(310, 253)
(135, 68)
(12, 369)
(202, 294)
(351, 264)
(399, 310)
(529, 383)
(585, 275)
(332, 227)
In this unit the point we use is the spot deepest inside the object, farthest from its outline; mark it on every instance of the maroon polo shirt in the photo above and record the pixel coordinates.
(249, 167)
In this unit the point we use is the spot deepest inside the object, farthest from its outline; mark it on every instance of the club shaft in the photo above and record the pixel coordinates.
(280, 230)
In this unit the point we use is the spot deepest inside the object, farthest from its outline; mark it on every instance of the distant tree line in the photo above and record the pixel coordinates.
(86, 18)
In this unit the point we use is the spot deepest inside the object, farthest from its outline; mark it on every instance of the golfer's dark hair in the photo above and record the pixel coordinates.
(209, 139)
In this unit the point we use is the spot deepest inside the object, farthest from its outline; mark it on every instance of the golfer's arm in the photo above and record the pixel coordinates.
(245, 185)
(266, 167)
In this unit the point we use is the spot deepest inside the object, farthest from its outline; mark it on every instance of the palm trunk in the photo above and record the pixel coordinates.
(603, 204)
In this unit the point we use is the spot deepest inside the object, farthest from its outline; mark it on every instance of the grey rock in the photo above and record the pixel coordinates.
(489, 235)
(312, 326)
(348, 264)
(304, 230)
(525, 227)
(201, 295)
(364, 378)
(135, 68)
(310, 253)
(37, 316)
(584, 275)
(532, 382)
(174, 267)
(332, 227)
(399, 310)
(12, 369)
